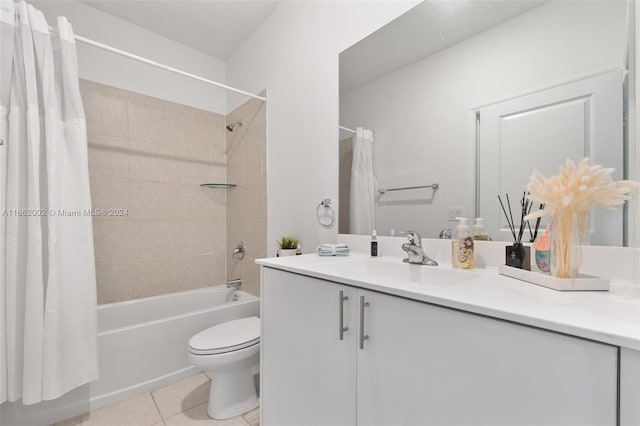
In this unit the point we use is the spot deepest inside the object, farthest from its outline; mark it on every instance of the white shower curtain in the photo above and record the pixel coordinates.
(48, 310)
(363, 185)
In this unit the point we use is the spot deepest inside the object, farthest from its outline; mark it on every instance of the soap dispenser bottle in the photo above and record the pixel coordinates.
(462, 250)
(479, 232)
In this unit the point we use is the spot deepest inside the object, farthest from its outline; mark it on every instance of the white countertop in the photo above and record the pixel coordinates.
(611, 317)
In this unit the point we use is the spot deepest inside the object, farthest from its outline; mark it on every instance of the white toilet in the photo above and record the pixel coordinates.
(230, 352)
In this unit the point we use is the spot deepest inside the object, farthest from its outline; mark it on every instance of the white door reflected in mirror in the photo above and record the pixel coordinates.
(540, 131)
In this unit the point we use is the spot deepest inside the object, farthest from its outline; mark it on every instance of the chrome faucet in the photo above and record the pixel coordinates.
(445, 234)
(415, 254)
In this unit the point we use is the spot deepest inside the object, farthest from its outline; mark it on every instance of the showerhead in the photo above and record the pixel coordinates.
(232, 126)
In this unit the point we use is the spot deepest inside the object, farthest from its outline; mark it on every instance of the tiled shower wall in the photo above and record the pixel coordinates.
(346, 158)
(247, 203)
(150, 156)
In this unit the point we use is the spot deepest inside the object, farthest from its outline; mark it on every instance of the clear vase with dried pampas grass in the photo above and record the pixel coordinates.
(565, 249)
(569, 196)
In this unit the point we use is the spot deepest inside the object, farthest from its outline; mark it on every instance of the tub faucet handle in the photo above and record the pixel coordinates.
(239, 251)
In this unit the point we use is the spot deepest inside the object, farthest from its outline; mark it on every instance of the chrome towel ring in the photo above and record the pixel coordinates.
(324, 212)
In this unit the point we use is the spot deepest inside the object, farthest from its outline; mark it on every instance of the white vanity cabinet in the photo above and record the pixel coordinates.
(428, 365)
(307, 373)
(421, 364)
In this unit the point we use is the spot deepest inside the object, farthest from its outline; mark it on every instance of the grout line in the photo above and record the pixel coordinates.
(246, 422)
(157, 407)
(245, 414)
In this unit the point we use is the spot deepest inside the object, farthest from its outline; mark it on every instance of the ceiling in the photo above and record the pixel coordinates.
(213, 27)
(424, 30)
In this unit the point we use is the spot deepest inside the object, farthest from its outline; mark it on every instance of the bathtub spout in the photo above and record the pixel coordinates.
(235, 283)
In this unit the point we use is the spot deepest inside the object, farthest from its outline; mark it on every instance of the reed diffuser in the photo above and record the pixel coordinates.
(518, 255)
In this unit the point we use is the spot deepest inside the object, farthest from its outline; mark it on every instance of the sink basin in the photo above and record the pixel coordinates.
(394, 270)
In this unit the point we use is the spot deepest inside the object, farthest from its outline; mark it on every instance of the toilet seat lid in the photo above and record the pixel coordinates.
(226, 337)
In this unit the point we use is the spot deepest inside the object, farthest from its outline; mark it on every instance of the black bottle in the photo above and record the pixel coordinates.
(374, 244)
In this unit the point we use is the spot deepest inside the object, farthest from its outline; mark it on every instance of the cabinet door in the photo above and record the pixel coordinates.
(427, 365)
(308, 374)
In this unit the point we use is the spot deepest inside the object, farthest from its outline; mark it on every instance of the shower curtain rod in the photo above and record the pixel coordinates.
(346, 129)
(159, 65)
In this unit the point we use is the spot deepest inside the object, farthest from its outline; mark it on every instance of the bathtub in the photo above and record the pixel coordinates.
(142, 347)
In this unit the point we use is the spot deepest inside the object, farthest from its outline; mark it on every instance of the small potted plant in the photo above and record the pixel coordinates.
(287, 246)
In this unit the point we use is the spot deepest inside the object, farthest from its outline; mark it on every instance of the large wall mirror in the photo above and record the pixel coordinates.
(458, 101)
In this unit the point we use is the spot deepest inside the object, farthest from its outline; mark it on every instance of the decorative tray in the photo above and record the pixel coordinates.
(580, 283)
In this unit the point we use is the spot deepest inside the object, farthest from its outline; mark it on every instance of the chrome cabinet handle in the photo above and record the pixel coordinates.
(363, 336)
(342, 327)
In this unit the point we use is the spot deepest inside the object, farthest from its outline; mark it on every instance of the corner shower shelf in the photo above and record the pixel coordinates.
(219, 185)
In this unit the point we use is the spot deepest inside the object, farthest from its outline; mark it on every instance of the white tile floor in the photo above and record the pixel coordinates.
(180, 404)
